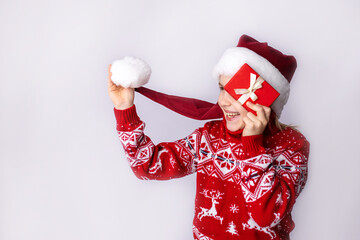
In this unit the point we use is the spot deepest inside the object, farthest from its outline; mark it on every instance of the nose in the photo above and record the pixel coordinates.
(225, 98)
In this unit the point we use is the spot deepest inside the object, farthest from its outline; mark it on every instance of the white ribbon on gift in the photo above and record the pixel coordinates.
(255, 84)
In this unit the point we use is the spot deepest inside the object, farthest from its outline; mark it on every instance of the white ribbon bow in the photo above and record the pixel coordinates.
(255, 83)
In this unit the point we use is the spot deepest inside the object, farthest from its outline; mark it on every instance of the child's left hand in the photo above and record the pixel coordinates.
(255, 125)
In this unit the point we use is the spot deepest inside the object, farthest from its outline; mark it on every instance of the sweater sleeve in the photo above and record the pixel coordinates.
(273, 178)
(163, 161)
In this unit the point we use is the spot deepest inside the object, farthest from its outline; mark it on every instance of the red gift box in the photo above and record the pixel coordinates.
(246, 85)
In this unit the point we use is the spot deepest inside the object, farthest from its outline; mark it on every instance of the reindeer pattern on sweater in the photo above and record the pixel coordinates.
(246, 186)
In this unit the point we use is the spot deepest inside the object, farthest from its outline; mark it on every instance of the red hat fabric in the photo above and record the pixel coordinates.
(284, 63)
(273, 66)
(276, 68)
(189, 107)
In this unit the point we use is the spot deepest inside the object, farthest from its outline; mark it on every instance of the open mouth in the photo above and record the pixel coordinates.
(231, 115)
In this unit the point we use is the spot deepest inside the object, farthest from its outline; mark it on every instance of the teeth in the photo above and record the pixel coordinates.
(232, 114)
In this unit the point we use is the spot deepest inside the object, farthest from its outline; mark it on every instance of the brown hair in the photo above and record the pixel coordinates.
(275, 125)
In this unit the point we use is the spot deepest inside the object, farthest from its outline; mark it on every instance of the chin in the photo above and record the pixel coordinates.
(234, 127)
(234, 123)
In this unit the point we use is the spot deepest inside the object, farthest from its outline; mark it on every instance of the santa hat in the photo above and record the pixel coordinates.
(272, 65)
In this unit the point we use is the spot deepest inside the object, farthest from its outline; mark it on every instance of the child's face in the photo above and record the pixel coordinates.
(234, 112)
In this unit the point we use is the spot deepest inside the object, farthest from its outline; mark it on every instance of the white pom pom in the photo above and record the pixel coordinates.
(130, 72)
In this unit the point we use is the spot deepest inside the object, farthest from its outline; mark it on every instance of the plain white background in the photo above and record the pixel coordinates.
(63, 174)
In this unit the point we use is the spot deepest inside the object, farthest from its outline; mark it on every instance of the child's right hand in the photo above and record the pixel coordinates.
(122, 98)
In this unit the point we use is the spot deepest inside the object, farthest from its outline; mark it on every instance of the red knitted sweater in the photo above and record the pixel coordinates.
(246, 186)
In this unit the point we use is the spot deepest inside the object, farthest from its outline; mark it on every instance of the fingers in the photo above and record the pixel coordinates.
(253, 126)
(110, 82)
(253, 117)
(248, 122)
(253, 123)
(263, 112)
(109, 69)
(256, 124)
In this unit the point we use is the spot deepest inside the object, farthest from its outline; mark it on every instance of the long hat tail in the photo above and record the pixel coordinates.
(189, 107)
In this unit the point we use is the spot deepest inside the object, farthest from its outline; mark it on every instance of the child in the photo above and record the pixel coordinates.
(250, 168)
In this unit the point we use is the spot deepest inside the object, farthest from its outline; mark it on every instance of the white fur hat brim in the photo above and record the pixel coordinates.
(232, 60)
(130, 72)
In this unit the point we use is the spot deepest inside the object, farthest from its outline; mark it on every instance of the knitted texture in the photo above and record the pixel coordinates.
(246, 186)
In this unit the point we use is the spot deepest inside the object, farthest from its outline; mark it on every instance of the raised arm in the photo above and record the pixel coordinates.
(163, 161)
(147, 160)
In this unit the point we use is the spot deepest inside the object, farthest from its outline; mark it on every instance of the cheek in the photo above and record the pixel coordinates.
(221, 96)
(243, 112)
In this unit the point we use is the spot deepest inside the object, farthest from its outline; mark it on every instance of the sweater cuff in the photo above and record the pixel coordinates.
(127, 120)
(253, 145)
